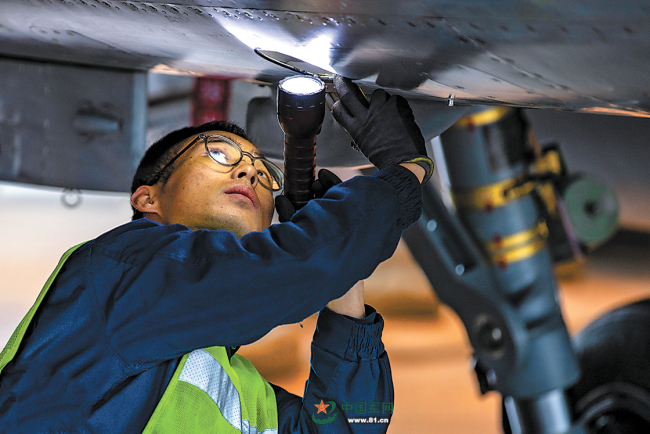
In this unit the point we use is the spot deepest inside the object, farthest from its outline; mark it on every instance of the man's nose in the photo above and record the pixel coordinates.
(245, 169)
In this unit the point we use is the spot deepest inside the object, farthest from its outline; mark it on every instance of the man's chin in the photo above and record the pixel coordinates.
(239, 227)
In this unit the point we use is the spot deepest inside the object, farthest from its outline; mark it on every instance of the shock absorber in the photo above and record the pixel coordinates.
(487, 157)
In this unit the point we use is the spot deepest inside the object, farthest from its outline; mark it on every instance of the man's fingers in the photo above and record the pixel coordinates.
(285, 208)
(344, 118)
(319, 189)
(406, 113)
(328, 178)
(378, 99)
(341, 113)
(351, 96)
(404, 109)
(325, 181)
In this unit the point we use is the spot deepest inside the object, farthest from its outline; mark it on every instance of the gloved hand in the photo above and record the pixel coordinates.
(384, 130)
(325, 181)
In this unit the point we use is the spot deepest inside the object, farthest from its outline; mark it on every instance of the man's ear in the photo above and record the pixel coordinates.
(145, 200)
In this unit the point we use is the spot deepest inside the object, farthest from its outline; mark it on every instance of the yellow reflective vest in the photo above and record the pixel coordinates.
(208, 393)
(211, 394)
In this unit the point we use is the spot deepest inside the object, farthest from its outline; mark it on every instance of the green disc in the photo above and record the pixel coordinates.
(592, 209)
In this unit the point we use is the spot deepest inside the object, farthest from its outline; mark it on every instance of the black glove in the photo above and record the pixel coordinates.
(384, 130)
(325, 181)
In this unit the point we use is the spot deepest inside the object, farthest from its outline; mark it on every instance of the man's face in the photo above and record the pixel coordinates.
(202, 194)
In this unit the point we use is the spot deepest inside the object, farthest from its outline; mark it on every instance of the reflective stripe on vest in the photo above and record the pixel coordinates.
(210, 393)
(204, 372)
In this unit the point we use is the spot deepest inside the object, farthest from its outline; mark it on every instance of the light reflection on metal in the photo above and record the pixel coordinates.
(614, 111)
(290, 63)
(314, 50)
(165, 69)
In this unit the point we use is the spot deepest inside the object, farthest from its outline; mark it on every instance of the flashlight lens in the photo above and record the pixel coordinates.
(301, 85)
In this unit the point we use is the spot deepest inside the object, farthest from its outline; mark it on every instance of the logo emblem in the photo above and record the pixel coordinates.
(322, 408)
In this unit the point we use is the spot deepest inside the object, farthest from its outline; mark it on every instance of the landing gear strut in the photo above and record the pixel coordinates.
(491, 262)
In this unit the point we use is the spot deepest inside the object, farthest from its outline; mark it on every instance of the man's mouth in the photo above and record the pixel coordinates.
(243, 191)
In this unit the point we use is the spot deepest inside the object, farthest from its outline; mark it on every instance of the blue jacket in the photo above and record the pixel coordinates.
(127, 305)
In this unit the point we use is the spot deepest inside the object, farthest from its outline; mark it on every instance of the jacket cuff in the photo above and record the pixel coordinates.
(408, 190)
(350, 338)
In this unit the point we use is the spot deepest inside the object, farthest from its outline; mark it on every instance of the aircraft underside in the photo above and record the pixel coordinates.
(75, 110)
(582, 56)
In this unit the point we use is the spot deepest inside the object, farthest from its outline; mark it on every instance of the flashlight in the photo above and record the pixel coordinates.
(301, 110)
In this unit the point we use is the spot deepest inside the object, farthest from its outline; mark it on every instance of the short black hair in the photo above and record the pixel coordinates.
(161, 153)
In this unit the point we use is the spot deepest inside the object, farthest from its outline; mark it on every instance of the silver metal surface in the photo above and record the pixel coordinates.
(588, 56)
(546, 414)
(71, 126)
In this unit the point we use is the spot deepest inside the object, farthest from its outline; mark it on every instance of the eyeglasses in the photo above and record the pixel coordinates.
(226, 152)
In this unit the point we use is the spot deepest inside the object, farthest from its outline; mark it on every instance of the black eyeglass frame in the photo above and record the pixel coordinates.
(205, 138)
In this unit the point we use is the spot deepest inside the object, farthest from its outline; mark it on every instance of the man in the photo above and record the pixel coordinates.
(138, 329)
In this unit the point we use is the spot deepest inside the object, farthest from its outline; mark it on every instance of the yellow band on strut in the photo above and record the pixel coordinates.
(492, 196)
(518, 246)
